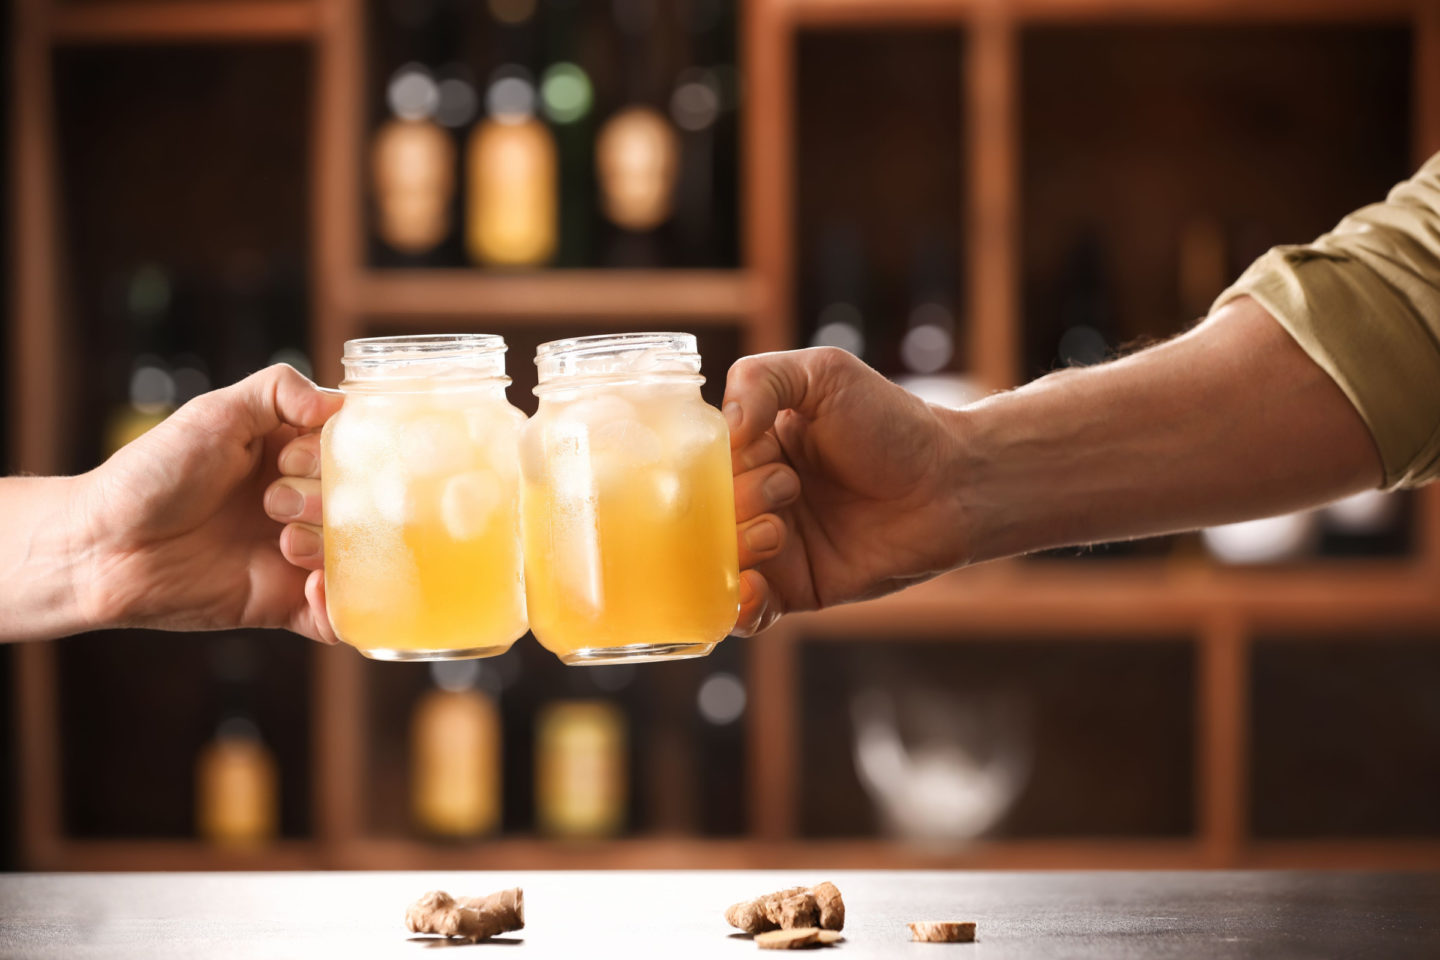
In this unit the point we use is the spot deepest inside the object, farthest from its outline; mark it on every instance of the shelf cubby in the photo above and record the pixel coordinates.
(1345, 729)
(880, 174)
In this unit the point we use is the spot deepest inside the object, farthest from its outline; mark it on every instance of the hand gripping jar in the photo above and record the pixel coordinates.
(423, 558)
(630, 551)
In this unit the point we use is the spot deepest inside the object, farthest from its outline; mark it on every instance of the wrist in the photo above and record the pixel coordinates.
(43, 560)
(997, 477)
(965, 523)
(86, 561)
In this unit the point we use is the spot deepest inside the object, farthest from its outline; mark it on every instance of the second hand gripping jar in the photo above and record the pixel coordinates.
(423, 557)
(630, 551)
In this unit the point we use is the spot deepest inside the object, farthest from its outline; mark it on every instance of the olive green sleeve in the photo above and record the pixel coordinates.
(1364, 302)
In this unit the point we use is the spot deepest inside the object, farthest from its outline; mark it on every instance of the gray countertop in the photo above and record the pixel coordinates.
(678, 914)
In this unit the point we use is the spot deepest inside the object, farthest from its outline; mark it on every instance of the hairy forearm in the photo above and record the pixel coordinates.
(41, 555)
(1230, 421)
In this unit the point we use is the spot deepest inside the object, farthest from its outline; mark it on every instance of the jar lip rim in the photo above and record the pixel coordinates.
(599, 343)
(423, 346)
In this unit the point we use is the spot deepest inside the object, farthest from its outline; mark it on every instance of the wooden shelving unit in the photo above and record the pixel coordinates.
(1222, 610)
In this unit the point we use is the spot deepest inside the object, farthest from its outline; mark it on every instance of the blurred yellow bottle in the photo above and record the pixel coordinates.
(512, 177)
(236, 788)
(455, 756)
(581, 769)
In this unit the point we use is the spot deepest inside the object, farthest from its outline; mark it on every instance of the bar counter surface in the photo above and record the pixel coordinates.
(678, 914)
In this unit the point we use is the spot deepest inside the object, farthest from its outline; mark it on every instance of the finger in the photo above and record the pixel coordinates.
(301, 456)
(278, 394)
(291, 499)
(755, 604)
(314, 620)
(760, 386)
(303, 545)
(762, 451)
(765, 490)
(760, 539)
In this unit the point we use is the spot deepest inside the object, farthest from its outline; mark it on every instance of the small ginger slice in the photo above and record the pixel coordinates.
(788, 939)
(828, 937)
(473, 918)
(942, 931)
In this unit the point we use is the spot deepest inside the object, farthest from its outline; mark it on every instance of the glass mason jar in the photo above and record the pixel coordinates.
(630, 550)
(423, 559)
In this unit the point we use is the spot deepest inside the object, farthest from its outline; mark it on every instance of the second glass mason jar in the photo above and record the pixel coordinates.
(630, 551)
(423, 557)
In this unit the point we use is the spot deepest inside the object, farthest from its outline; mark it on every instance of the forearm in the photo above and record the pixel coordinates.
(1228, 422)
(41, 556)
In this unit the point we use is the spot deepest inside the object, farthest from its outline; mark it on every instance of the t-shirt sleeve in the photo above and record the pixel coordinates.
(1363, 301)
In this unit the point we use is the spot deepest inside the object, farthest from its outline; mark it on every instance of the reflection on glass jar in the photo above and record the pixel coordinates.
(421, 500)
(629, 507)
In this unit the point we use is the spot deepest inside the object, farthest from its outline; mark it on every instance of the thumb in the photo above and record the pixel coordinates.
(277, 395)
(760, 386)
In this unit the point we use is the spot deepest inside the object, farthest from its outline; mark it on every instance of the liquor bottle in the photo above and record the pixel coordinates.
(581, 769)
(237, 793)
(840, 289)
(719, 706)
(637, 150)
(567, 99)
(145, 303)
(927, 348)
(1086, 316)
(455, 752)
(510, 159)
(413, 166)
(702, 107)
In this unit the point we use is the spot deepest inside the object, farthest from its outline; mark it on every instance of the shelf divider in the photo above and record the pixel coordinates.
(992, 206)
(1222, 724)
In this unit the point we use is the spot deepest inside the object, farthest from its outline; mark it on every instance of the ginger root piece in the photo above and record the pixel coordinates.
(942, 931)
(473, 918)
(790, 909)
(795, 912)
(788, 939)
(832, 908)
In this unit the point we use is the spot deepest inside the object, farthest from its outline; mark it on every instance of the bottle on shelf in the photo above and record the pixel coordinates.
(455, 752)
(581, 768)
(1086, 313)
(840, 281)
(413, 166)
(237, 789)
(511, 166)
(719, 706)
(637, 151)
(697, 102)
(928, 346)
(146, 297)
(511, 176)
(567, 100)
